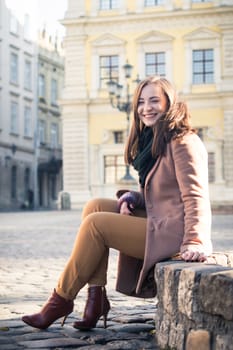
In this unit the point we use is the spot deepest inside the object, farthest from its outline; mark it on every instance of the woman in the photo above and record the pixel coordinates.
(169, 215)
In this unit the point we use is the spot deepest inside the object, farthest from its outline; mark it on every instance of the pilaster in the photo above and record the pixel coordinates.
(228, 146)
(75, 153)
(75, 119)
(227, 74)
(75, 80)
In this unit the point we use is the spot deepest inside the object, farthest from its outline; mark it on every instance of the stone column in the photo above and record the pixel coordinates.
(228, 145)
(227, 78)
(75, 118)
(227, 48)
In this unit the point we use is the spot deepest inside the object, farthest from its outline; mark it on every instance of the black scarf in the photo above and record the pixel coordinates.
(143, 162)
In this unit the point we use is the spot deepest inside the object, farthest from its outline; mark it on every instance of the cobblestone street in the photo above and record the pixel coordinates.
(34, 248)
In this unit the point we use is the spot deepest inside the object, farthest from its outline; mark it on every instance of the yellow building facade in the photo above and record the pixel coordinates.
(188, 42)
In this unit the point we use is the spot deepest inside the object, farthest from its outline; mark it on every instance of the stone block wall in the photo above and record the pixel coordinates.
(195, 304)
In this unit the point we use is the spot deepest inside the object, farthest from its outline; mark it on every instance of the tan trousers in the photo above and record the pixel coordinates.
(101, 228)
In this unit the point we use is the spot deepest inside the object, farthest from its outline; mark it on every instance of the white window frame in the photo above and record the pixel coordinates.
(14, 113)
(41, 86)
(118, 168)
(1, 58)
(14, 24)
(188, 4)
(200, 1)
(54, 130)
(106, 45)
(147, 44)
(201, 39)
(213, 141)
(14, 68)
(159, 3)
(156, 55)
(54, 91)
(212, 167)
(203, 64)
(42, 131)
(215, 147)
(1, 109)
(96, 9)
(27, 121)
(109, 3)
(27, 27)
(103, 81)
(140, 5)
(27, 74)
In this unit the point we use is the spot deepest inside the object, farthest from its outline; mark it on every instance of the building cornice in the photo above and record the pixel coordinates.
(74, 101)
(7, 145)
(166, 22)
(207, 95)
(135, 17)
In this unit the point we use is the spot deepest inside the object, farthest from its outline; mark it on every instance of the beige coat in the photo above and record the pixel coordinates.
(178, 213)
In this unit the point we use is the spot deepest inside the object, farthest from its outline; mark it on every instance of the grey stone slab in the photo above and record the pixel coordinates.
(113, 336)
(37, 336)
(133, 328)
(53, 343)
(140, 318)
(129, 345)
(12, 323)
(93, 347)
(9, 347)
(3, 340)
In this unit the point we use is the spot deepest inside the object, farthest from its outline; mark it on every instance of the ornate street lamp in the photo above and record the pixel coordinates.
(123, 104)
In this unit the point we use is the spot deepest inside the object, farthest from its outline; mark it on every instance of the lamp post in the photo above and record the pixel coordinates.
(123, 104)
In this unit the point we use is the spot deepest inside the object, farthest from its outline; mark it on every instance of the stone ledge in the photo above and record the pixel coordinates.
(195, 304)
(222, 208)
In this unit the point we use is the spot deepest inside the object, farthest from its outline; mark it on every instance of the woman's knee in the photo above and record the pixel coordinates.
(91, 227)
(90, 207)
(98, 205)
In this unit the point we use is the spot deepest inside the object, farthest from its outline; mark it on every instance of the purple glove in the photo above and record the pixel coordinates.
(129, 198)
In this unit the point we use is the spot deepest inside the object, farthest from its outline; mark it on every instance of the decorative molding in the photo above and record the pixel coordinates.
(202, 34)
(107, 40)
(154, 37)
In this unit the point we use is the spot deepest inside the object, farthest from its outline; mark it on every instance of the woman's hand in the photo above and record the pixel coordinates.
(125, 208)
(126, 203)
(193, 255)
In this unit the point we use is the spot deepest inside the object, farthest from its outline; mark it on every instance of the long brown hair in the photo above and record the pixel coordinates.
(172, 124)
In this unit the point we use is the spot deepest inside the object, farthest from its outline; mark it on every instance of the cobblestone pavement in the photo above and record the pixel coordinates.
(33, 250)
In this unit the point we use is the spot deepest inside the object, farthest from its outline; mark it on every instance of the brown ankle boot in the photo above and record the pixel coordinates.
(97, 305)
(55, 308)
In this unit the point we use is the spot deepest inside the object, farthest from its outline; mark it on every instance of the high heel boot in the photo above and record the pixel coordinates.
(97, 305)
(56, 307)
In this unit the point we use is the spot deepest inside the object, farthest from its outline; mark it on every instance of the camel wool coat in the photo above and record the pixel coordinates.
(178, 211)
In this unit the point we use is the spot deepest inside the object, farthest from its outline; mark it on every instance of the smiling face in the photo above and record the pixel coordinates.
(152, 103)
